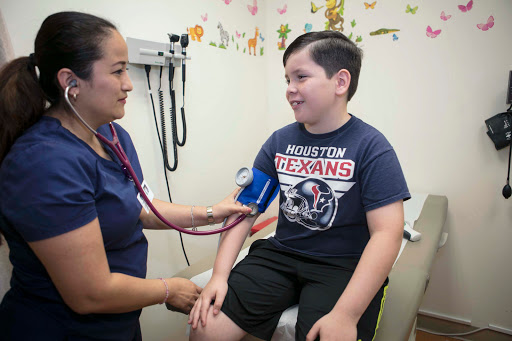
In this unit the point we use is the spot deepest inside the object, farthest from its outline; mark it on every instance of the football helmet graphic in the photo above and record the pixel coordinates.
(311, 203)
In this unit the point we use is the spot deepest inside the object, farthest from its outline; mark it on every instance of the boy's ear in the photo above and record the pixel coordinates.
(342, 81)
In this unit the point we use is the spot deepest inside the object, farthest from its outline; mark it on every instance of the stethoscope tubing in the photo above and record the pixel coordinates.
(116, 147)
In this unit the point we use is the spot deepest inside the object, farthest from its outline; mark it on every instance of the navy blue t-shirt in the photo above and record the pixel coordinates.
(52, 183)
(328, 183)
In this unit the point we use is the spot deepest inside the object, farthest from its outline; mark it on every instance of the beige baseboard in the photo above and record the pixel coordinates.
(448, 327)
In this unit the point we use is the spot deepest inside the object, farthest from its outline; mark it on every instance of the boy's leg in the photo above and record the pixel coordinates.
(260, 288)
(324, 286)
(218, 328)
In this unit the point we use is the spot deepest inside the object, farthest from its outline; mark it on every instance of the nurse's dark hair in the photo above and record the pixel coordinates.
(29, 85)
(333, 51)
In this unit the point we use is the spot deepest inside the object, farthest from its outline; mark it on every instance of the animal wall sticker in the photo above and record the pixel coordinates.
(370, 6)
(444, 16)
(283, 34)
(283, 10)
(195, 32)
(253, 42)
(410, 9)
(466, 8)
(334, 13)
(254, 8)
(384, 31)
(431, 33)
(224, 36)
(487, 25)
(314, 8)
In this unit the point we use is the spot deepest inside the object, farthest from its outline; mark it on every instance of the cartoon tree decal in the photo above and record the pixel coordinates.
(283, 34)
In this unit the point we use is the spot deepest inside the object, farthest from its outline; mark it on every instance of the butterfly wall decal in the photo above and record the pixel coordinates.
(395, 37)
(282, 11)
(204, 17)
(368, 6)
(466, 8)
(254, 8)
(237, 34)
(314, 7)
(261, 37)
(411, 10)
(227, 2)
(432, 34)
(487, 25)
(445, 17)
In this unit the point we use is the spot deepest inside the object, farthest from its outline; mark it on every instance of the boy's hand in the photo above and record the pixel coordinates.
(215, 290)
(333, 327)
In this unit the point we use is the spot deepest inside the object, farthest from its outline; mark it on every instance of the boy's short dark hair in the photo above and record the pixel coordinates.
(333, 51)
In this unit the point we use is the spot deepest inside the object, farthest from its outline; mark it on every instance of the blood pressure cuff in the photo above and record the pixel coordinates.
(262, 191)
(499, 129)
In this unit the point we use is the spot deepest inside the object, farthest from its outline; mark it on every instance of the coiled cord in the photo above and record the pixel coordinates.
(161, 143)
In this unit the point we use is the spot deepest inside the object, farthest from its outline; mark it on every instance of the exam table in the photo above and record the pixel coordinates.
(409, 277)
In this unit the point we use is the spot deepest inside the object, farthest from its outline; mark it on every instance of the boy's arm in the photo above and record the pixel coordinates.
(386, 229)
(231, 242)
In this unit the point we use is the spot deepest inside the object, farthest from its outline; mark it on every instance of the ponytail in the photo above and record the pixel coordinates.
(22, 101)
(65, 40)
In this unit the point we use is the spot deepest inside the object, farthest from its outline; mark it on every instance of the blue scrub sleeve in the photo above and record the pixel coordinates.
(50, 192)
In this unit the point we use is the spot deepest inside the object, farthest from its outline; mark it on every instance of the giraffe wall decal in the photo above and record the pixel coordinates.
(252, 42)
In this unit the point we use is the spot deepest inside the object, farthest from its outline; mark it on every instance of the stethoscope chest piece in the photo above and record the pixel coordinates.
(254, 209)
(244, 177)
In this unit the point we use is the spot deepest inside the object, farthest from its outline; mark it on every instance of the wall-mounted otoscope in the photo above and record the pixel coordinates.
(184, 44)
(173, 38)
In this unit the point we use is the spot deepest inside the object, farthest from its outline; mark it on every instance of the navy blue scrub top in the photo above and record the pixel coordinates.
(52, 183)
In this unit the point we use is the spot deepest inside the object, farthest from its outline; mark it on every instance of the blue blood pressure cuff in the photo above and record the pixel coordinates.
(262, 190)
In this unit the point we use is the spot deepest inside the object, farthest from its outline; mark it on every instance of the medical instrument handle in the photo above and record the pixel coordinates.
(118, 150)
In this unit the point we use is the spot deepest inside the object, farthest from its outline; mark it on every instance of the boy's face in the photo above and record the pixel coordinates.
(310, 93)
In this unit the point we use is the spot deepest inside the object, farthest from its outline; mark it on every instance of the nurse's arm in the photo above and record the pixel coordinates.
(77, 264)
(182, 215)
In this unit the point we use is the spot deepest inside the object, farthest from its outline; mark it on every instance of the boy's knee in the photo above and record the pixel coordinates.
(218, 328)
(196, 334)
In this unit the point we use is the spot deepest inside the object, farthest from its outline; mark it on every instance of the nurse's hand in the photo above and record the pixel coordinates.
(215, 291)
(228, 206)
(182, 294)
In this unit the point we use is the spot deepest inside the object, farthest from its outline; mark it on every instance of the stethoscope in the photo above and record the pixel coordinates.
(116, 147)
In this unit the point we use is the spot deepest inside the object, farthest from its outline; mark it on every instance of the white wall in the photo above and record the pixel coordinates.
(430, 97)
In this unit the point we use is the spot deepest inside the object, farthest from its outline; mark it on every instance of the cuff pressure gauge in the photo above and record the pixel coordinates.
(244, 177)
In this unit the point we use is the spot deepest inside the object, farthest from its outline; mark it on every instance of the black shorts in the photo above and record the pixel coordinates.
(269, 280)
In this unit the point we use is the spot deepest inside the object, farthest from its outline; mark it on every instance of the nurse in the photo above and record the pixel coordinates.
(67, 210)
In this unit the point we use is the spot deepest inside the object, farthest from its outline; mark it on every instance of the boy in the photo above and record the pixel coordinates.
(341, 214)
